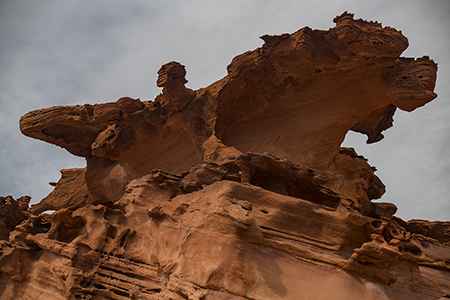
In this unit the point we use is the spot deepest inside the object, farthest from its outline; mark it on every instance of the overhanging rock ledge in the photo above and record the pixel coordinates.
(239, 190)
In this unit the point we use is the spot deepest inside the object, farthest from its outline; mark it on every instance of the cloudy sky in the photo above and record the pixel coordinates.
(85, 51)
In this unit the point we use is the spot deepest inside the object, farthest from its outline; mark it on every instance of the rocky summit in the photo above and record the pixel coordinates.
(239, 190)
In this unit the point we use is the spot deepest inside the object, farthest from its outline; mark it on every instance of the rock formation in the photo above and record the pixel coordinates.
(239, 190)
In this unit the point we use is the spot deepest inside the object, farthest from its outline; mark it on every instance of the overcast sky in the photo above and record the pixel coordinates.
(87, 51)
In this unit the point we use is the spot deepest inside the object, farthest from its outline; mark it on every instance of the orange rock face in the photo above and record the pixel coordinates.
(239, 190)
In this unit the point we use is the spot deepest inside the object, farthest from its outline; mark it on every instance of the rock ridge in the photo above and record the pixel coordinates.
(239, 190)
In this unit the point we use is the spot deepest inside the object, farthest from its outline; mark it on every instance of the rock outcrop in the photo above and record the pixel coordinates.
(239, 190)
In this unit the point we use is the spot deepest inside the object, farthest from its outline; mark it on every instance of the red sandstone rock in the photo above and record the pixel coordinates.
(11, 215)
(70, 192)
(239, 190)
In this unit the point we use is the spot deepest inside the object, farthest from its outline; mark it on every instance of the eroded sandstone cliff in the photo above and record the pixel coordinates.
(239, 190)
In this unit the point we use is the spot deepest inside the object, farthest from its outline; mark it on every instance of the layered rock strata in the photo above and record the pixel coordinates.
(239, 190)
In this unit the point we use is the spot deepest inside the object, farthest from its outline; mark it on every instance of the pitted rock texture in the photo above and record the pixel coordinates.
(239, 190)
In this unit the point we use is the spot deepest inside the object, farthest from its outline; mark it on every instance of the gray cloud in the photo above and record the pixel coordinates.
(65, 53)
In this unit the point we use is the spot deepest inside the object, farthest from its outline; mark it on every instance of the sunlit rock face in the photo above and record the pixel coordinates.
(239, 190)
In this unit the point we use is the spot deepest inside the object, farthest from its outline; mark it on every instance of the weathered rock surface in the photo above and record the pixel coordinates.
(12, 213)
(70, 192)
(239, 190)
